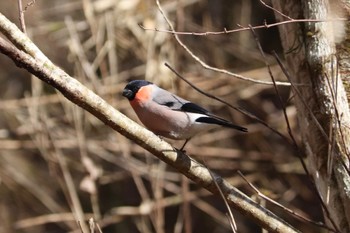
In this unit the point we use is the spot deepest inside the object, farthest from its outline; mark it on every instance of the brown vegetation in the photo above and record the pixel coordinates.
(58, 161)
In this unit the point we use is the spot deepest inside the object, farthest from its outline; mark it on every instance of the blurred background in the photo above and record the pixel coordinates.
(58, 161)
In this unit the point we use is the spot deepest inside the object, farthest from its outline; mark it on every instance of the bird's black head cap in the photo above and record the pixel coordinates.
(133, 87)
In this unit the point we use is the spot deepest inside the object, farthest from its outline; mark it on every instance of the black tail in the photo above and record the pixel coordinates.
(222, 122)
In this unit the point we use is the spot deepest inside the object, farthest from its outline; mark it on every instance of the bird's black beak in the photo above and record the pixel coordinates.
(129, 94)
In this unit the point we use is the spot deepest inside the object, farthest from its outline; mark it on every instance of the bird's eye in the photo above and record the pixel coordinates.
(169, 104)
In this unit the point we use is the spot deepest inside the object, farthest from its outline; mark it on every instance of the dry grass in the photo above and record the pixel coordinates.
(58, 164)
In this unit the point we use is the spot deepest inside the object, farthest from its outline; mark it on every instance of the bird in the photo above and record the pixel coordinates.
(169, 115)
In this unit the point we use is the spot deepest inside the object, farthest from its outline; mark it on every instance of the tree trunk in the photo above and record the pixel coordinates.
(317, 68)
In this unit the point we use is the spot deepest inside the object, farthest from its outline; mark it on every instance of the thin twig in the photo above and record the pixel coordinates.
(275, 10)
(186, 206)
(21, 16)
(240, 29)
(338, 125)
(206, 66)
(74, 201)
(57, 217)
(229, 215)
(295, 144)
(317, 123)
(293, 213)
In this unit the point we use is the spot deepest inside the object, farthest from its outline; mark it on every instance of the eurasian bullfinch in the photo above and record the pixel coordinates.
(168, 115)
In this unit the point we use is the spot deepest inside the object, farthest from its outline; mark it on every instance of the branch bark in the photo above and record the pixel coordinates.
(28, 56)
(312, 59)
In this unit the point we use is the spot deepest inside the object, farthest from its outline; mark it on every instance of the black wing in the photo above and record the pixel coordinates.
(219, 121)
(209, 118)
(194, 108)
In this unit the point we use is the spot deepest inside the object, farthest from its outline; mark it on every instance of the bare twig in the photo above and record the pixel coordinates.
(21, 16)
(12, 33)
(94, 226)
(275, 10)
(77, 49)
(186, 207)
(338, 126)
(317, 123)
(229, 215)
(202, 63)
(241, 28)
(48, 218)
(299, 153)
(293, 213)
(74, 200)
(275, 86)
